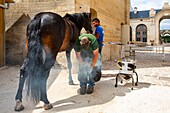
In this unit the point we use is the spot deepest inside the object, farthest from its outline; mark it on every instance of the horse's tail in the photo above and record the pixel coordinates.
(34, 61)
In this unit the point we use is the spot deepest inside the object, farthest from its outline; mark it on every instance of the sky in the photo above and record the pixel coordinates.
(147, 5)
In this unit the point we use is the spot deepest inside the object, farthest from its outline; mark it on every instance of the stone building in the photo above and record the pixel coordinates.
(2, 29)
(113, 14)
(145, 25)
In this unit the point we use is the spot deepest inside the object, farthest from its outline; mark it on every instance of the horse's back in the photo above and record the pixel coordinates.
(49, 15)
(51, 22)
(51, 28)
(48, 23)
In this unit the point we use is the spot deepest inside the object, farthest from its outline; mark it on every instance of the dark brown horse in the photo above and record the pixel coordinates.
(47, 34)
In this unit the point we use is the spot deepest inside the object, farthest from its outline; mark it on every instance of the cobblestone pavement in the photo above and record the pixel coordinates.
(150, 96)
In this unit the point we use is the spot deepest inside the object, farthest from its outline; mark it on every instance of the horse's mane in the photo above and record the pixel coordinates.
(70, 17)
(77, 18)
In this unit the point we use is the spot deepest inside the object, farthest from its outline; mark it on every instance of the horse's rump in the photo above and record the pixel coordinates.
(45, 35)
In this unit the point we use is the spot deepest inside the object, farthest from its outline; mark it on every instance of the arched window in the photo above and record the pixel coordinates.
(130, 33)
(141, 33)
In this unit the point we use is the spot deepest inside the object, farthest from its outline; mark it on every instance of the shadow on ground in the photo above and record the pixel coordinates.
(104, 92)
(9, 84)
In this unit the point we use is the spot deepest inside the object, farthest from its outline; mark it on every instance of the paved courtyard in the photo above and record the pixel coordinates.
(150, 96)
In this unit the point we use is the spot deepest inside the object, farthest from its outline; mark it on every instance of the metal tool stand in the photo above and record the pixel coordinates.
(127, 69)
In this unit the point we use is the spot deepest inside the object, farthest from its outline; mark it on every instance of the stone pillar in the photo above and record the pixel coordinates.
(125, 34)
(2, 28)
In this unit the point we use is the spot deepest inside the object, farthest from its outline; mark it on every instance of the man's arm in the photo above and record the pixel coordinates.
(97, 35)
(78, 55)
(95, 53)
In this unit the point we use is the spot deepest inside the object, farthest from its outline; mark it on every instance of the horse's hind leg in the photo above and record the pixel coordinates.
(18, 97)
(69, 65)
(45, 73)
(47, 104)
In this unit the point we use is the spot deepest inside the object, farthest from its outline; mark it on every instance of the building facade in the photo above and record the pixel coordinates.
(145, 25)
(113, 14)
(2, 29)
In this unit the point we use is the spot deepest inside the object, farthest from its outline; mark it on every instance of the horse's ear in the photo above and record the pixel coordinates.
(69, 16)
(88, 15)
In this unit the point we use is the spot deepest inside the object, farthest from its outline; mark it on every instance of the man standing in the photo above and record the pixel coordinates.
(86, 48)
(99, 33)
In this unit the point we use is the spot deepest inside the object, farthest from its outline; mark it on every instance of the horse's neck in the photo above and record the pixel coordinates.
(71, 23)
(71, 33)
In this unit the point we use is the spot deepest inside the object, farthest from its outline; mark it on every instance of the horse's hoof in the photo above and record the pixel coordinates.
(136, 84)
(48, 106)
(18, 106)
(71, 83)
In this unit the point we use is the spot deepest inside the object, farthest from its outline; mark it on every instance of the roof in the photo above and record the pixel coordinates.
(142, 14)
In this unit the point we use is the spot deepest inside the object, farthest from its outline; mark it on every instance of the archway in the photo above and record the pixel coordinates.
(164, 30)
(93, 15)
(141, 33)
(164, 14)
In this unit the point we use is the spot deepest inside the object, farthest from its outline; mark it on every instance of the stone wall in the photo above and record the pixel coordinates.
(112, 13)
(15, 41)
(18, 17)
(114, 17)
(2, 35)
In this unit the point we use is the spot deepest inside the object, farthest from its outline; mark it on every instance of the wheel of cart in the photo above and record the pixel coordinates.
(126, 71)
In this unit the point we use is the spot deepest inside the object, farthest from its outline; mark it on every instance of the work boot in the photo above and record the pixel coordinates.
(83, 90)
(90, 90)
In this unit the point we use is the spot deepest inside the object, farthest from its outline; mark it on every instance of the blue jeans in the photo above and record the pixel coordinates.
(100, 49)
(83, 76)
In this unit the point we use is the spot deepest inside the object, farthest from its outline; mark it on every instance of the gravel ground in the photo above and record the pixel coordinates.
(150, 96)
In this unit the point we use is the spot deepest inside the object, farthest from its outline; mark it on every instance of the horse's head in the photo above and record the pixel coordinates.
(87, 22)
(81, 20)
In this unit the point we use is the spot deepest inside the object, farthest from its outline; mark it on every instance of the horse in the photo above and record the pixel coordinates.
(47, 34)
